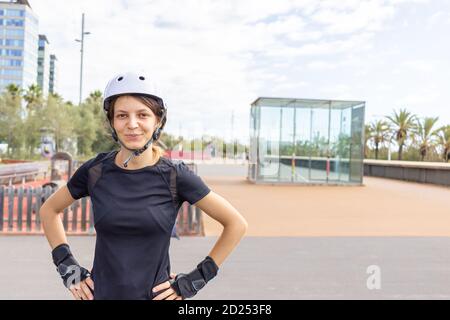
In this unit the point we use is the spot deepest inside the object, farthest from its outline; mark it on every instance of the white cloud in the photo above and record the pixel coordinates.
(213, 57)
(439, 18)
(321, 65)
(357, 16)
(419, 65)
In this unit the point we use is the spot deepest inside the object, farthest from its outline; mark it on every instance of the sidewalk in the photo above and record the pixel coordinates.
(303, 242)
(261, 267)
(381, 207)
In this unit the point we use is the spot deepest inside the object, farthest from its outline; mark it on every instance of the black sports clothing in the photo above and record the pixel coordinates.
(134, 213)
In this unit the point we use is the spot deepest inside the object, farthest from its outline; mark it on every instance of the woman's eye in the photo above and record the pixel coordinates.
(142, 115)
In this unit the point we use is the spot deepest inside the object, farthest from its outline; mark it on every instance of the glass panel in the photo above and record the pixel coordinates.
(15, 13)
(11, 72)
(319, 144)
(14, 22)
(14, 42)
(253, 152)
(14, 32)
(268, 144)
(356, 151)
(303, 143)
(340, 140)
(287, 145)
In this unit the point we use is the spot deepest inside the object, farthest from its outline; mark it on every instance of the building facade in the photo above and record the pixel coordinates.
(53, 78)
(43, 71)
(18, 44)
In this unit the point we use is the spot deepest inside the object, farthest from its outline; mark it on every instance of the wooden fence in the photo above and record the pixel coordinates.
(19, 213)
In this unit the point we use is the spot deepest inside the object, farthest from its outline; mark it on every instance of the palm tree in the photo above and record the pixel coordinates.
(56, 95)
(380, 134)
(14, 90)
(425, 135)
(33, 95)
(403, 123)
(95, 102)
(96, 95)
(443, 134)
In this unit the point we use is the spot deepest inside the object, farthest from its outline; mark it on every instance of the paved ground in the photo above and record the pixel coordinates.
(303, 243)
(381, 207)
(262, 268)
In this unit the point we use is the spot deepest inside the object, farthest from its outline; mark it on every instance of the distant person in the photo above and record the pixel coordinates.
(135, 207)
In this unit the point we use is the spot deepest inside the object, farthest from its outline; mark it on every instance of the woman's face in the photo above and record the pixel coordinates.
(134, 121)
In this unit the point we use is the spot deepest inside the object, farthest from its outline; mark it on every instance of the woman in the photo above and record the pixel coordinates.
(136, 194)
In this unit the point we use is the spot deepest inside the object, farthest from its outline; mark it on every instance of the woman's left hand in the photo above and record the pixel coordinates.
(168, 293)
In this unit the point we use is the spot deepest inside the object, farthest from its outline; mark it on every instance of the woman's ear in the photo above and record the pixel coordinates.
(158, 124)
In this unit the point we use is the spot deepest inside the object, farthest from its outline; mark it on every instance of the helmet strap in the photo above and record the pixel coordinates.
(135, 152)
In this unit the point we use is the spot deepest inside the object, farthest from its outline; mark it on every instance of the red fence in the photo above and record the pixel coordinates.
(19, 213)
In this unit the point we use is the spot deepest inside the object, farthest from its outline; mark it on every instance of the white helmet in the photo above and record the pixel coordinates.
(129, 83)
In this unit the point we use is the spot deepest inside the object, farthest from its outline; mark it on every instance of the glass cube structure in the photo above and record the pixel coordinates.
(306, 141)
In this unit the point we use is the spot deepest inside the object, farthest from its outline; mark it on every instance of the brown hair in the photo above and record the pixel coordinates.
(158, 152)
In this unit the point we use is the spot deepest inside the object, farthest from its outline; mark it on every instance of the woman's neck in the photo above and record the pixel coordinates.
(147, 158)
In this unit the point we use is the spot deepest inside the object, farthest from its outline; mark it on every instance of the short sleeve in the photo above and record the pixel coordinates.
(78, 183)
(190, 186)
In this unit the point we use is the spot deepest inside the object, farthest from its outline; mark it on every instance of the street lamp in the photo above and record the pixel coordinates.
(83, 33)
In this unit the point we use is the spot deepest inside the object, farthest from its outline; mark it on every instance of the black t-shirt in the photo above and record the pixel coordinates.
(134, 214)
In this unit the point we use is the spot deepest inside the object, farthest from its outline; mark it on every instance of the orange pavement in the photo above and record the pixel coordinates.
(381, 207)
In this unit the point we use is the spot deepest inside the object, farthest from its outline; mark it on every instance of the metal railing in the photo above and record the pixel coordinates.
(19, 213)
(20, 172)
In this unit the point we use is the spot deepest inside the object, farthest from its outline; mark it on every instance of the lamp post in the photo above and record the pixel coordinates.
(83, 33)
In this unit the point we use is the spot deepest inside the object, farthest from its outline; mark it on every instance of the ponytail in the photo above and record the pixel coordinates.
(157, 152)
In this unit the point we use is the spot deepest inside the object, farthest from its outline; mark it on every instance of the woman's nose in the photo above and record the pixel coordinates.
(132, 123)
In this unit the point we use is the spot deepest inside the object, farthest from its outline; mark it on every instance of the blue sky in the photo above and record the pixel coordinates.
(213, 58)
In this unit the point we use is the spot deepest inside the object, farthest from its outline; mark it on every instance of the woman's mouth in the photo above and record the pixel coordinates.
(133, 136)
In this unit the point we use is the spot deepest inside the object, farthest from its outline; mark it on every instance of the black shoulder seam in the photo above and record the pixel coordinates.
(167, 161)
(96, 169)
(173, 179)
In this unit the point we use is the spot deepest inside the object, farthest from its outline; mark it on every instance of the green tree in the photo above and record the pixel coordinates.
(14, 90)
(425, 135)
(33, 97)
(32, 124)
(443, 135)
(169, 140)
(102, 140)
(11, 124)
(403, 124)
(380, 133)
(85, 127)
(59, 117)
(56, 95)
(95, 97)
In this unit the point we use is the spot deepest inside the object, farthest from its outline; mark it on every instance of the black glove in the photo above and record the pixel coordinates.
(68, 268)
(187, 285)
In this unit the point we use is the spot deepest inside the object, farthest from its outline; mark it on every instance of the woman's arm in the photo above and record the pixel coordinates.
(234, 225)
(49, 213)
(54, 231)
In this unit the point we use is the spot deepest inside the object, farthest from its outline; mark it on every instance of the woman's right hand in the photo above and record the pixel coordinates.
(82, 290)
